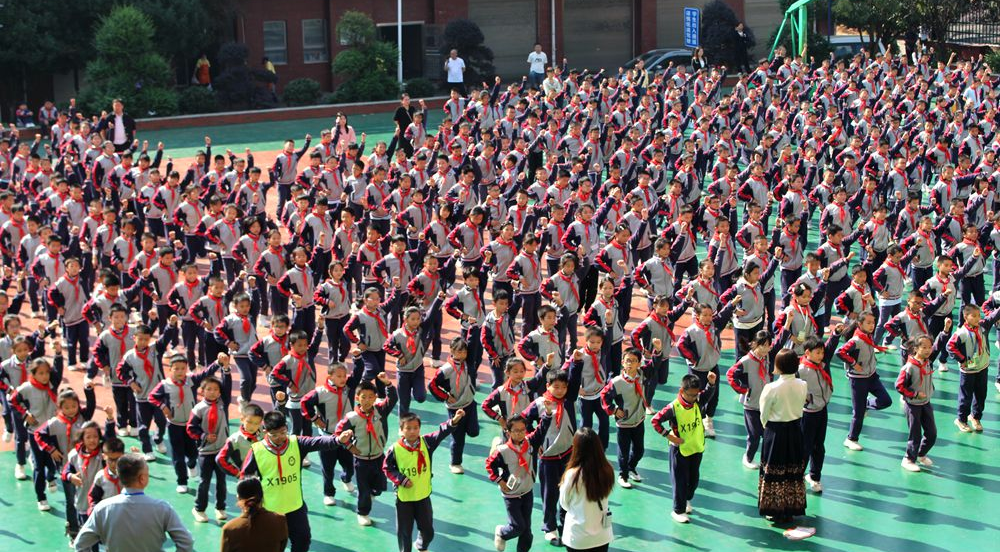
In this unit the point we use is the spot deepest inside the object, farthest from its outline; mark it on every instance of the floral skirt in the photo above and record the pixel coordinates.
(782, 489)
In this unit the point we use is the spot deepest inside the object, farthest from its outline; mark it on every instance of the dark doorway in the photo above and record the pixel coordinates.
(413, 48)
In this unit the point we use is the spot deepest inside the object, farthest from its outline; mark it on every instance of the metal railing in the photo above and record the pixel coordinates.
(976, 28)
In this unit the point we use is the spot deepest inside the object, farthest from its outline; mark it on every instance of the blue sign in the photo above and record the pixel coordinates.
(692, 27)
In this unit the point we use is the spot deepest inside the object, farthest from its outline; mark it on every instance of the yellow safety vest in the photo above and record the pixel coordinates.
(406, 461)
(281, 476)
(689, 428)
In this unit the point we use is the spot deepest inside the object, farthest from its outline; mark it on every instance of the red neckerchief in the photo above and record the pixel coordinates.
(927, 240)
(75, 282)
(559, 407)
(421, 460)
(919, 320)
(276, 450)
(861, 291)
(868, 340)
(761, 366)
(822, 372)
(708, 287)
(596, 363)
(301, 366)
(339, 391)
(170, 271)
(369, 423)
(637, 385)
(190, 289)
(282, 342)
(277, 252)
(897, 267)
(180, 388)
(572, 288)
(340, 286)
(378, 319)
(218, 306)
(69, 426)
(979, 337)
(708, 334)
(522, 453)
(805, 311)
(499, 332)
(87, 456)
(43, 387)
(147, 366)
(55, 259)
(113, 479)
(920, 368)
(305, 280)
(246, 323)
(411, 341)
(252, 437)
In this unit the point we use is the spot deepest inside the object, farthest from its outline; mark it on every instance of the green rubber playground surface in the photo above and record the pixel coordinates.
(869, 502)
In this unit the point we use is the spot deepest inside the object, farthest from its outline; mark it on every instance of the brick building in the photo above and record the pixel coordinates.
(299, 36)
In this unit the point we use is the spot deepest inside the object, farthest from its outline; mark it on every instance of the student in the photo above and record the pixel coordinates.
(748, 377)
(516, 394)
(362, 431)
(609, 313)
(334, 298)
(409, 344)
(324, 407)
(83, 463)
(35, 402)
(466, 305)
(701, 347)
(369, 330)
(971, 349)
(455, 384)
(142, 369)
(209, 427)
(916, 384)
(110, 347)
(294, 376)
(299, 285)
(562, 390)
(498, 336)
(858, 354)
(587, 366)
(814, 369)
(940, 292)
(678, 422)
(238, 333)
(565, 283)
(106, 483)
(658, 325)
(408, 464)
(267, 352)
(237, 446)
(67, 295)
(624, 398)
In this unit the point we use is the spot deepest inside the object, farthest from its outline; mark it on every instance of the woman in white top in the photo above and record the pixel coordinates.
(583, 493)
(782, 489)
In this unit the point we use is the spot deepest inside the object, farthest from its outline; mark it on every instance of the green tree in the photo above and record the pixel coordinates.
(466, 37)
(877, 21)
(126, 66)
(367, 68)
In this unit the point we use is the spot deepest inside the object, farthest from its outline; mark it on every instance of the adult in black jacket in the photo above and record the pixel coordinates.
(117, 126)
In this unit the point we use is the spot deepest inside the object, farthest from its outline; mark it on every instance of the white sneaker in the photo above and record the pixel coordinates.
(687, 508)
(364, 521)
(942, 367)
(634, 476)
(182, 489)
(963, 427)
(552, 537)
(220, 515)
(192, 473)
(457, 469)
(349, 486)
(306, 463)
(814, 486)
(976, 426)
(52, 486)
(750, 465)
(924, 461)
(199, 516)
(623, 482)
(122, 432)
(709, 427)
(19, 472)
(650, 411)
(133, 431)
(43, 506)
(329, 501)
(7, 436)
(909, 465)
(853, 445)
(161, 447)
(680, 518)
(498, 542)
(995, 384)
(150, 457)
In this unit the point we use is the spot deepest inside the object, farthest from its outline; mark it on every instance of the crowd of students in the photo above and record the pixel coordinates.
(532, 220)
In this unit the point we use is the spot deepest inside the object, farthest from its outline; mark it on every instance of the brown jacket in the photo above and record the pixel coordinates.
(265, 532)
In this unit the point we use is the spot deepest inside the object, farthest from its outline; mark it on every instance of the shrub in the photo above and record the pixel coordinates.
(718, 36)
(420, 87)
(370, 88)
(355, 29)
(157, 102)
(301, 92)
(367, 70)
(197, 99)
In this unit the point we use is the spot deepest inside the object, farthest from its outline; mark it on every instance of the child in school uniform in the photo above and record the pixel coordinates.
(593, 376)
(624, 398)
(175, 396)
(209, 427)
(324, 407)
(408, 464)
(497, 336)
(680, 423)
(562, 388)
(368, 329)
(970, 347)
(267, 352)
(106, 483)
(234, 451)
(67, 295)
(334, 298)
(609, 314)
(916, 384)
(238, 333)
(748, 377)
(566, 283)
(141, 369)
(858, 354)
(940, 293)
(512, 466)
(111, 345)
(455, 384)
(409, 345)
(701, 347)
(658, 325)
(814, 369)
(294, 376)
(35, 402)
(82, 465)
(363, 432)
(516, 394)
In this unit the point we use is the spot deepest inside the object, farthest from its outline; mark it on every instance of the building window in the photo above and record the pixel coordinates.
(314, 42)
(275, 43)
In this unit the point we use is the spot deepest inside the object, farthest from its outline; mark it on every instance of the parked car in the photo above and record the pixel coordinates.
(657, 61)
(847, 46)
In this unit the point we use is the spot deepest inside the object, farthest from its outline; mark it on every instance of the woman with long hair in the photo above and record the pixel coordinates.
(583, 493)
(256, 529)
